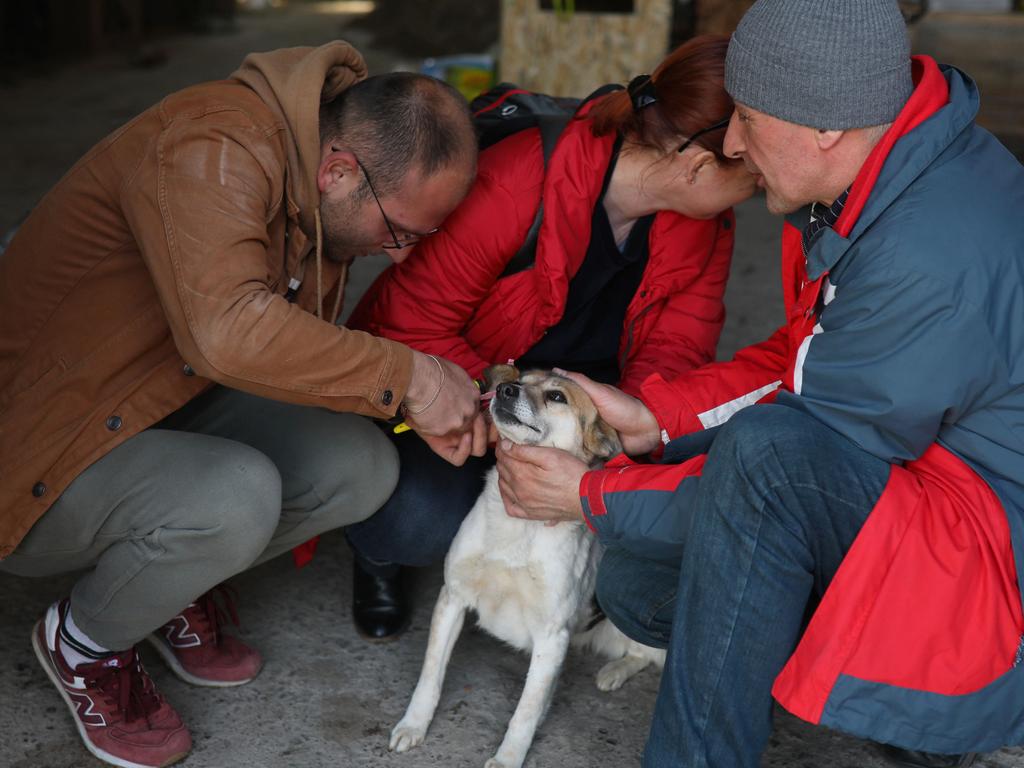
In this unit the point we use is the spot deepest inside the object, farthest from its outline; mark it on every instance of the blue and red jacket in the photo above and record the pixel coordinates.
(449, 299)
(905, 332)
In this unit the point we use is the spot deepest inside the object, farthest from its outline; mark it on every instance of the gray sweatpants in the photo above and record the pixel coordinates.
(229, 481)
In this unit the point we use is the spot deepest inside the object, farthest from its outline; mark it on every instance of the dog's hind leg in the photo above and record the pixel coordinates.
(612, 675)
(545, 664)
(628, 656)
(445, 625)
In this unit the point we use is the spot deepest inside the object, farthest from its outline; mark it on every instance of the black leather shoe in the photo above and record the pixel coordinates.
(380, 606)
(909, 759)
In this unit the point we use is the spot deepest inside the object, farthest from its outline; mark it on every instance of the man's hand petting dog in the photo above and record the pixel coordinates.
(443, 406)
(539, 483)
(455, 448)
(638, 429)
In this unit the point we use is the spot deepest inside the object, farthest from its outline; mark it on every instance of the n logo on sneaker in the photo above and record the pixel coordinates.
(179, 635)
(86, 710)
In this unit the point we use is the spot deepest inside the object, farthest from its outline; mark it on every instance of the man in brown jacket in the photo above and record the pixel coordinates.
(167, 320)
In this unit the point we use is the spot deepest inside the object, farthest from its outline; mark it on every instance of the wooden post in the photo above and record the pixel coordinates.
(569, 51)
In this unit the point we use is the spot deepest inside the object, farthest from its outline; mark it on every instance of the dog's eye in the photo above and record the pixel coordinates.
(555, 396)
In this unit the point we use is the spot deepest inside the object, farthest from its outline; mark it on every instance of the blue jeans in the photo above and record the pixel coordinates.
(417, 524)
(780, 501)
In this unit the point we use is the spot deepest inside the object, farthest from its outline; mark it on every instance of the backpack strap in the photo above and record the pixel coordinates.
(551, 127)
(602, 91)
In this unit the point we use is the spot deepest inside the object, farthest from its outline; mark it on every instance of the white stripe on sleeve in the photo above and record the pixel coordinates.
(722, 413)
(801, 357)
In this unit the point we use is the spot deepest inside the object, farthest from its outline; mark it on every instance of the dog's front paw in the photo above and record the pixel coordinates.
(406, 735)
(506, 758)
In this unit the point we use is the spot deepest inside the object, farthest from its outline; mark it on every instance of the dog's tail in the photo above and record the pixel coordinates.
(599, 635)
(604, 638)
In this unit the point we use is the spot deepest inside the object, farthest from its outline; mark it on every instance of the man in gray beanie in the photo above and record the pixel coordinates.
(830, 65)
(842, 68)
(867, 460)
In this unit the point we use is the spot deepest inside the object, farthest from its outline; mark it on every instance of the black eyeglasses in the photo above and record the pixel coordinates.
(411, 238)
(724, 123)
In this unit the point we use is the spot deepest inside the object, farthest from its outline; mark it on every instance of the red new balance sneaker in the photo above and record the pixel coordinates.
(196, 649)
(120, 716)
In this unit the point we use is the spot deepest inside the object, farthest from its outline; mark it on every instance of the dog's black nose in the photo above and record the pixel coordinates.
(508, 391)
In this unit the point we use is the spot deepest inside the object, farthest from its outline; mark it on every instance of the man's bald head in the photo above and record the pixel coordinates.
(402, 123)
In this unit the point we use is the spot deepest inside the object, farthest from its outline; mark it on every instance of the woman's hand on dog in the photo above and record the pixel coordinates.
(636, 425)
(539, 483)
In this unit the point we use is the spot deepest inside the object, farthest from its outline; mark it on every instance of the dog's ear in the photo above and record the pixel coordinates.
(601, 441)
(499, 374)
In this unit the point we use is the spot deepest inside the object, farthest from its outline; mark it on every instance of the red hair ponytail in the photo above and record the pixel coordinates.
(690, 84)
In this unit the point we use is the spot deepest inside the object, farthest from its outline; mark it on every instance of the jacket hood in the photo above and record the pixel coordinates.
(294, 82)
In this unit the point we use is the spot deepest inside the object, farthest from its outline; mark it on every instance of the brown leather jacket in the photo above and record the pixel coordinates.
(158, 265)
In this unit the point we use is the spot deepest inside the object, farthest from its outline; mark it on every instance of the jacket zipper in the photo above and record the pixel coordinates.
(624, 357)
(629, 336)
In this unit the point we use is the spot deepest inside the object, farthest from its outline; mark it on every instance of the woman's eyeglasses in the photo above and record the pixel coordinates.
(724, 123)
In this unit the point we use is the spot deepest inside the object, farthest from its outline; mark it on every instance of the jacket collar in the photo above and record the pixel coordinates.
(943, 104)
(572, 186)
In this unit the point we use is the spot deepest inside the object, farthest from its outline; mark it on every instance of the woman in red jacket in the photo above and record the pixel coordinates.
(629, 273)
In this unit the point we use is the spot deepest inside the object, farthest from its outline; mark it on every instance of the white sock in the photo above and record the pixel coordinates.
(77, 647)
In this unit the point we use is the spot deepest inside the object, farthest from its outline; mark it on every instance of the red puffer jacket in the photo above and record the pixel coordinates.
(448, 298)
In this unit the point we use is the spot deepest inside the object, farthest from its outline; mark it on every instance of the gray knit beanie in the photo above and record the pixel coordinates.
(831, 64)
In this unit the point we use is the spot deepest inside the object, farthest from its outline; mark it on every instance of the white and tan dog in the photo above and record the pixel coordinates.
(530, 584)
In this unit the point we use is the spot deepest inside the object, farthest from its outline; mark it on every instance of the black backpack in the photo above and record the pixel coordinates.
(507, 109)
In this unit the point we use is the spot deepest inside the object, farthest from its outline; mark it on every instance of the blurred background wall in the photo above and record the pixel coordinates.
(39, 35)
(570, 47)
(563, 47)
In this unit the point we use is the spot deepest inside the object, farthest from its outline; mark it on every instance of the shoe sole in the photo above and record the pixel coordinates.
(394, 636)
(184, 675)
(42, 655)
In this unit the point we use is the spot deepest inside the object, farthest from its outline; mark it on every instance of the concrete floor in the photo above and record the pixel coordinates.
(326, 698)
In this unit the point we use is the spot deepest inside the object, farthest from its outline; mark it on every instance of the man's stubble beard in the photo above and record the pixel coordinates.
(779, 206)
(342, 242)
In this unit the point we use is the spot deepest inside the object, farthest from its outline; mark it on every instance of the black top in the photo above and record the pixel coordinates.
(586, 339)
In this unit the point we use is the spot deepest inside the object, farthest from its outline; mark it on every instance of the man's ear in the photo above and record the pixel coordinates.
(338, 172)
(499, 374)
(827, 139)
(601, 441)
